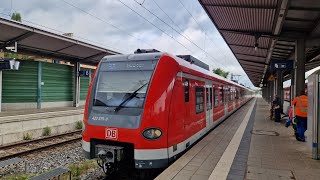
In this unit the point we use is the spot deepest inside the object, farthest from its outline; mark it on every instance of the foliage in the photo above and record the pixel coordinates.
(46, 131)
(27, 136)
(79, 125)
(16, 16)
(221, 72)
(11, 55)
(25, 57)
(81, 168)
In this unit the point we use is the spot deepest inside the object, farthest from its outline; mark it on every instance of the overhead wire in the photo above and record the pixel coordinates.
(155, 25)
(105, 21)
(201, 27)
(177, 30)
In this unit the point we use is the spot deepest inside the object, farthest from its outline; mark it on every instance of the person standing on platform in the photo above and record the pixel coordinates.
(301, 111)
(277, 109)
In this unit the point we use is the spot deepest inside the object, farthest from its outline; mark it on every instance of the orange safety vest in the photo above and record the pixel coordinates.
(301, 106)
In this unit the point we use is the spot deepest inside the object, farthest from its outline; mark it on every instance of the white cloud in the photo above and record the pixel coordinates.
(59, 15)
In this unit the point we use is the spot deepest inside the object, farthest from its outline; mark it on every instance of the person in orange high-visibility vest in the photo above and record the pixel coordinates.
(300, 104)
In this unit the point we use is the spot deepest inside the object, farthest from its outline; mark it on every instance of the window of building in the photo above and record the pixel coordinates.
(186, 90)
(199, 99)
(216, 97)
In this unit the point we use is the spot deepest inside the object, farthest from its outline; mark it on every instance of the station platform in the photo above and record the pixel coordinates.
(16, 125)
(247, 145)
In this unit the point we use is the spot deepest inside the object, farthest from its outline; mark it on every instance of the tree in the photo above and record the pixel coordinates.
(16, 16)
(221, 72)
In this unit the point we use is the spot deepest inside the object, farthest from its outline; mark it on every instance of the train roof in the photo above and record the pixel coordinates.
(187, 64)
(180, 61)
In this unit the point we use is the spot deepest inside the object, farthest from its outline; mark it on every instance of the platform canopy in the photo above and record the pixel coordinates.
(272, 26)
(38, 42)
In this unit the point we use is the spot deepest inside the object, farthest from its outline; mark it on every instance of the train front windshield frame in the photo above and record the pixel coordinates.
(120, 91)
(115, 86)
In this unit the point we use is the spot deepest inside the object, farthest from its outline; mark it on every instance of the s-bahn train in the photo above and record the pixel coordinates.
(147, 109)
(287, 92)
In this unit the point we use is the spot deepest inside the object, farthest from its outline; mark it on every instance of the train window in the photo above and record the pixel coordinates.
(209, 98)
(237, 94)
(186, 90)
(222, 96)
(199, 99)
(210, 92)
(216, 97)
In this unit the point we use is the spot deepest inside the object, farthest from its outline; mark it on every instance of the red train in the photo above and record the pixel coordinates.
(146, 109)
(286, 92)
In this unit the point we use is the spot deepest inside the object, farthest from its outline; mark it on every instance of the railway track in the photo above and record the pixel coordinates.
(27, 147)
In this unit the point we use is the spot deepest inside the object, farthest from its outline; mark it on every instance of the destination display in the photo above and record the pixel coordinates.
(128, 65)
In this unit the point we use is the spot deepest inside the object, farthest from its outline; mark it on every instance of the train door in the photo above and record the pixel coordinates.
(226, 99)
(209, 111)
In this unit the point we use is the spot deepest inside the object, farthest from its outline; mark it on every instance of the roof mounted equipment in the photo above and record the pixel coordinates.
(194, 61)
(139, 51)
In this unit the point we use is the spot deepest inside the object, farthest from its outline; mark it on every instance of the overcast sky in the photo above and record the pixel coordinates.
(111, 24)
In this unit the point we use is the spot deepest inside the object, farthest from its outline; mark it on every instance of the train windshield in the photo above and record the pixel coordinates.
(116, 88)
(120, 90)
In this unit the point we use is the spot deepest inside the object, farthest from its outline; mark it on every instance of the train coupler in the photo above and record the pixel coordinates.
(109, 157)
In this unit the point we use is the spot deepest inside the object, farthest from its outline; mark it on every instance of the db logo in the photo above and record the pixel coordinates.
(112, 133)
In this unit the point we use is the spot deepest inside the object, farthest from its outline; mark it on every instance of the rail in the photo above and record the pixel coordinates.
(27, 147)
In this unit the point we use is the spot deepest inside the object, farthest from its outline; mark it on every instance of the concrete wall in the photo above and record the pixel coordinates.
(26, 106)
(12, 128)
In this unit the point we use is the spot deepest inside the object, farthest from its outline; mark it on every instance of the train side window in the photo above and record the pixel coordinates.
(209, 98)
(199, 99)
(216, 97)
(186, 90)
(210, 92)
(222, 96)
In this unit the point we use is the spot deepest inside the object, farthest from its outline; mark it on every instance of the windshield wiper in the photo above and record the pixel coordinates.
(129, 98)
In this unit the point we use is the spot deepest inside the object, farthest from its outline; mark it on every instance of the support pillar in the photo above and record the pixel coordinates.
(292, 92)
(280, 87)
(76, 84)
(271, 90)
(300, 66)
(1, 56)
(39, 97)
(0, 89)
(267, 92)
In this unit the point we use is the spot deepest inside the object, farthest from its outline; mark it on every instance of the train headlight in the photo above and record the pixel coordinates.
(152, 133)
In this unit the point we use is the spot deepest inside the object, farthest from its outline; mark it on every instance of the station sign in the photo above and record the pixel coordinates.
(9, 64)
(84, 73)
(278, 65)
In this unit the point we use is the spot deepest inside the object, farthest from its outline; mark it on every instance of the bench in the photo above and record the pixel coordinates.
(56, 173)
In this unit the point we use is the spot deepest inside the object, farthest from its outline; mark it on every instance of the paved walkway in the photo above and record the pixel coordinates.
(274, 152)
(199, 162)
(266, 151)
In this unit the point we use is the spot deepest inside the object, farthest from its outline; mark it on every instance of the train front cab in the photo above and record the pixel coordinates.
(178, 102)
(130, 128)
